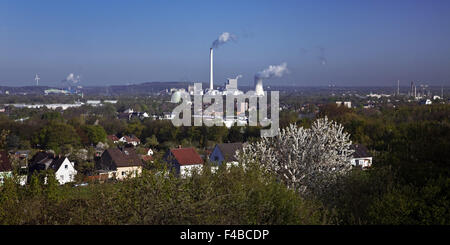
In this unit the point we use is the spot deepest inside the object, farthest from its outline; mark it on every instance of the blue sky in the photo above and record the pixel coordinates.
(364, 43)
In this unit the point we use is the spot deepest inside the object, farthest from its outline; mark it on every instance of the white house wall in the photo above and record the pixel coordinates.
(66, 175)
(363, 162)
(128, 172)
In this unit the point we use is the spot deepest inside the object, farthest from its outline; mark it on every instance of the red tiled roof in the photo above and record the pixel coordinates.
(186, 156)
(146, 158)
(113, 138)
(131, 139)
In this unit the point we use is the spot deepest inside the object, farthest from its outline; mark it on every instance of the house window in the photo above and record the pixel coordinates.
(356, 162)
(66, 166)
(62, 177)
(216, 158)
(123, 173)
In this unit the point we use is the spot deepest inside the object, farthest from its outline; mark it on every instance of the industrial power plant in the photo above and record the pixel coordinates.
(232, 83)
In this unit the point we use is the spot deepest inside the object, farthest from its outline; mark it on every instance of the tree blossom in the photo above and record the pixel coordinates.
(305, 159)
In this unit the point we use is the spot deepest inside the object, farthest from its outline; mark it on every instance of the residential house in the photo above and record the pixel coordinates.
(148, 151)
(128, 111)
(22, 158)
(120, 163)
(64, 169)
(113, 138)
(130, 114)
(5, 166)
(168, 116)
(347, 104)
(124, 116)
(184, 160)
(131, 140)
(361, 156)
(100, 148)
(139, 115)
(225, 153)
(146, 158)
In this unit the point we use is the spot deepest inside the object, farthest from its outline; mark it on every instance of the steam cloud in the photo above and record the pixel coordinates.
(322, 58)
(223, 38)
(72, 78)
(272, 71)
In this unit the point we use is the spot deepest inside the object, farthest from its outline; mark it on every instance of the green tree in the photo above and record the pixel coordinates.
(151, 141)
(135, 128)
(3, 139)
(55, 136)
(95, 133)
(52, 116)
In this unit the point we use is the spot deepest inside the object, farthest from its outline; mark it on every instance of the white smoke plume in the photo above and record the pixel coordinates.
(323, 60)
(72, 78)
(273, 71)
(223, 38)
(238, 76)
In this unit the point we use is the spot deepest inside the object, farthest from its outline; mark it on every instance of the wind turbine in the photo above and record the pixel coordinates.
(37, 78)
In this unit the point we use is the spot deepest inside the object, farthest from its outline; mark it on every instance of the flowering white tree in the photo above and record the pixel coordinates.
(306, 160)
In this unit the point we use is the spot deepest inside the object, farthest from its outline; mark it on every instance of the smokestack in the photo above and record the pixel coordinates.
(222, 39)
(211, 79)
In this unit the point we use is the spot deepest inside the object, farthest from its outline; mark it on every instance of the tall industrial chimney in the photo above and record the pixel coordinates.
(211, 79)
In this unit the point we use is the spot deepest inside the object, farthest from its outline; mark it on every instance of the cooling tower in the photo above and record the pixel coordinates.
(259, 87)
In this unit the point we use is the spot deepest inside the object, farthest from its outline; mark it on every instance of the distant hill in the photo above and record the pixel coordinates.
(137, 89)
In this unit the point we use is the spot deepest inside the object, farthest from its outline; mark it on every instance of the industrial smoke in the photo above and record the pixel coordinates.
(271, 71)
(322, 58)
(222, 39)
(72, 78)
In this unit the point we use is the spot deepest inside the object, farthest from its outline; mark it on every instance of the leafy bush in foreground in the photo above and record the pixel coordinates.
(231, 196)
